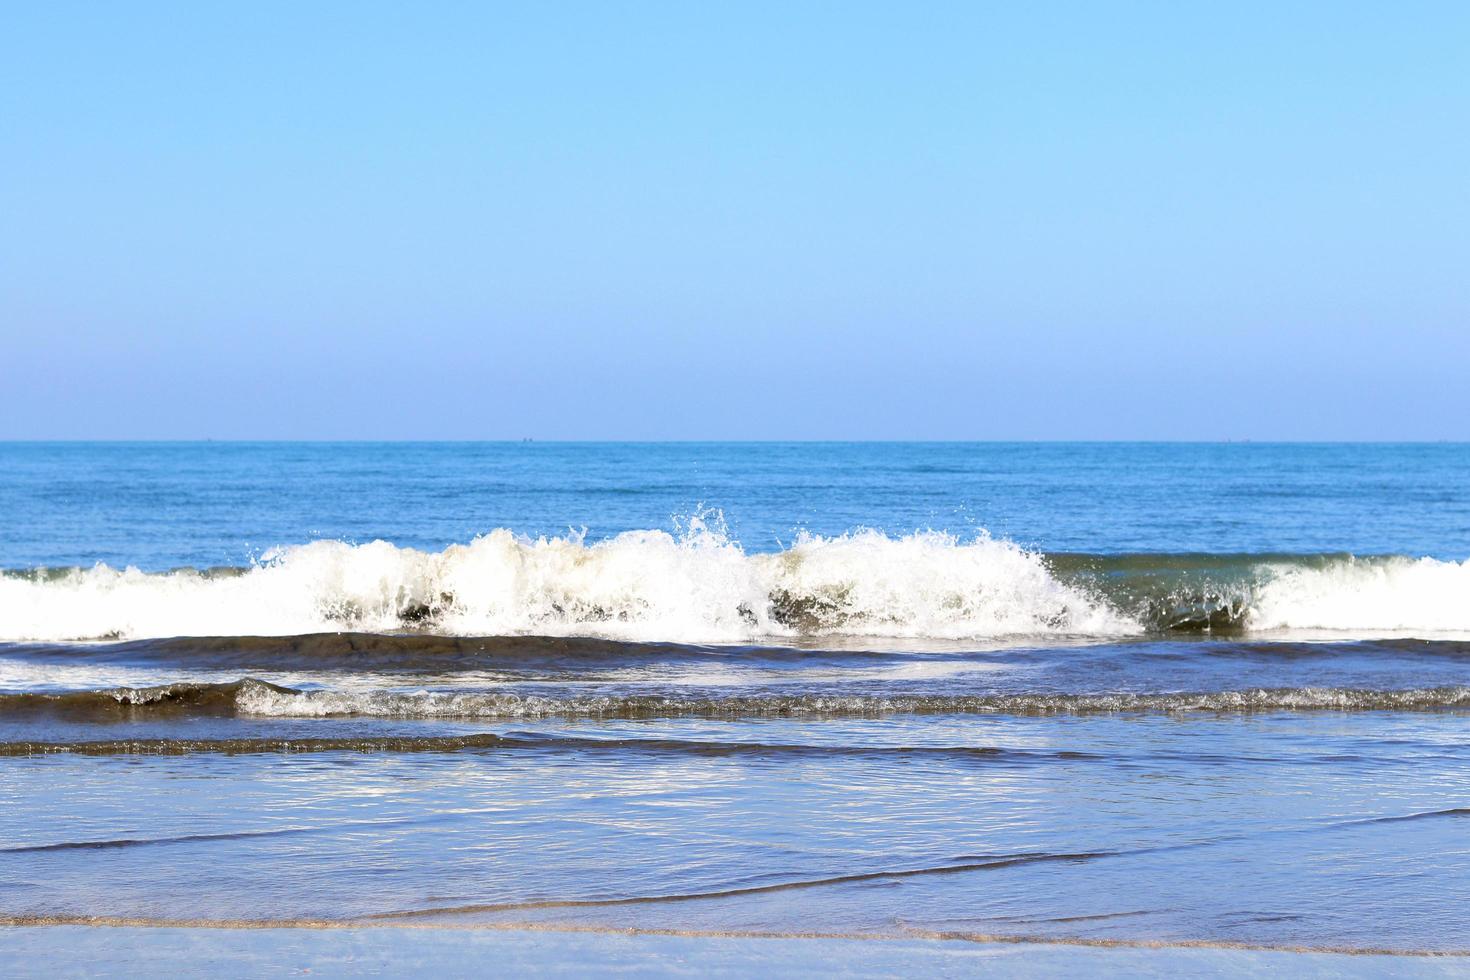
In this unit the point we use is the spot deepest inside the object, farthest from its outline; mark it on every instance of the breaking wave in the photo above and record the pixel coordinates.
(702, 586)
(639, 585)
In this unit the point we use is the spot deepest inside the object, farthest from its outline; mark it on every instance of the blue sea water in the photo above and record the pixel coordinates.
(164, 505)
(1116, 694)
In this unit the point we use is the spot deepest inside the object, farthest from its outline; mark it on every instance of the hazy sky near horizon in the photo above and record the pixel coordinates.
(783, 220)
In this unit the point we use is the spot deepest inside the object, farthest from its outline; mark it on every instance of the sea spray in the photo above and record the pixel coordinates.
(701, 585)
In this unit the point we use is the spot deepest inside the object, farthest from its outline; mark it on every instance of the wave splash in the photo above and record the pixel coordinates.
(702, 586)
(639, 585)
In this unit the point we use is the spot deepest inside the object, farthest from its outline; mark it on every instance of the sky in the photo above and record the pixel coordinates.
(793, 220)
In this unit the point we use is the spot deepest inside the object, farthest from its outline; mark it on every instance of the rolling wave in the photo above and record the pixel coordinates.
(704, 587)
(255, 698)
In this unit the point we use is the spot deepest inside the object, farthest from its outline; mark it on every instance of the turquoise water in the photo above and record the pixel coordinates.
(1123, 693)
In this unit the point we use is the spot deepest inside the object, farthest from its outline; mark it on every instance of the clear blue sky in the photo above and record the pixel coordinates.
(744, 220)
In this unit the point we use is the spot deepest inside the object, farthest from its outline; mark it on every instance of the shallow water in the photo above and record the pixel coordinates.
(1186, 694)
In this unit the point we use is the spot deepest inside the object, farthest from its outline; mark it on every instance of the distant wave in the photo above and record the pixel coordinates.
(704, 587)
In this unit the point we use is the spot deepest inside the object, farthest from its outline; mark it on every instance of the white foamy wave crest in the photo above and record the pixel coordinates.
(266, 700)
(640, 585)
(1365, 595)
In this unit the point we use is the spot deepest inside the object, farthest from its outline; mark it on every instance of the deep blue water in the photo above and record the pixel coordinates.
(164, 505)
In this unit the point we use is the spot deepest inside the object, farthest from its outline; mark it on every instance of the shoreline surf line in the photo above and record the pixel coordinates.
(906, 933)
(253, 698)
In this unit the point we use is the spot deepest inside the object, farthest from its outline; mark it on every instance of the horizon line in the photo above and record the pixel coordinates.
(197, 441)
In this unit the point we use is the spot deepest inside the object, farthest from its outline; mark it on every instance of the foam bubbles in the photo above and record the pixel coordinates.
(702, 586)
(639, 585)
(1365, 595)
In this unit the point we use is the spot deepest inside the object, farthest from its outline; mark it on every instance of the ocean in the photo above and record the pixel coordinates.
(1117, 695)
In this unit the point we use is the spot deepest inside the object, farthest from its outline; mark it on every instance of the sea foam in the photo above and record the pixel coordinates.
(640, 585)
(703, 586)
(1384, 594)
